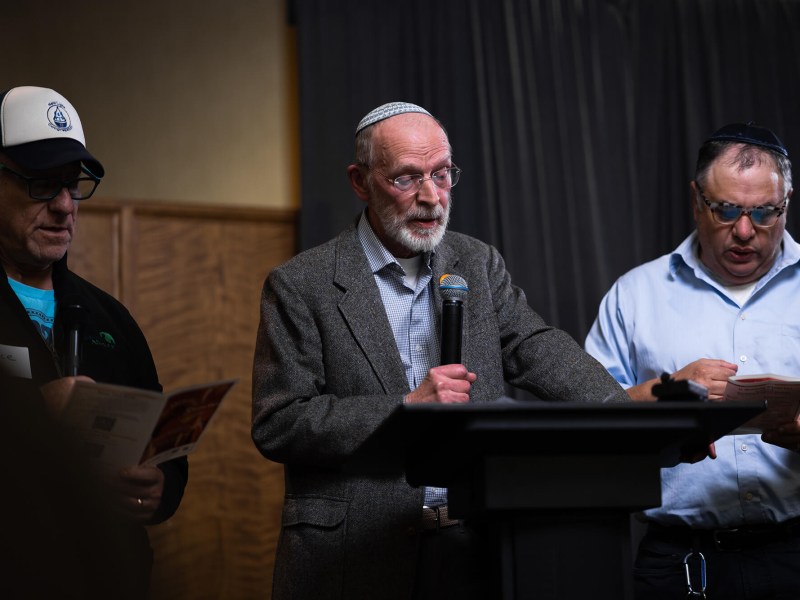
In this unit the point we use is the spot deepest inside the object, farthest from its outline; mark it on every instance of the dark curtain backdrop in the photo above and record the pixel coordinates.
(576, 122)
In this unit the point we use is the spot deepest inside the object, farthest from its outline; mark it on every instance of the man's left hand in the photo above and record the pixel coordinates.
(138, 492)
(693, 455)
(786, 436)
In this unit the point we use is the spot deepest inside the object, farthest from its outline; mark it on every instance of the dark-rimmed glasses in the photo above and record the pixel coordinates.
(443, 178)
(725, 213)
(43, 189)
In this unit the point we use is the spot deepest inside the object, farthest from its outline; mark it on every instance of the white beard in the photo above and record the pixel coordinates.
(399, 229)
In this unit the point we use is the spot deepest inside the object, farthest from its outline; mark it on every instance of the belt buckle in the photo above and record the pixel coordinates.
(719, 539)
(437, 517)
(436, 513)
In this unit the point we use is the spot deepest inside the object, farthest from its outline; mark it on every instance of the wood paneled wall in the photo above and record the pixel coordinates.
(192, 277)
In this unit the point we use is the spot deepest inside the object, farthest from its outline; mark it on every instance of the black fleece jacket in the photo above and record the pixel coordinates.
(113, 350)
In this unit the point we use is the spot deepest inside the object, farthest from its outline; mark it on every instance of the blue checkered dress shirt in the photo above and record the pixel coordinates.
(411, 315)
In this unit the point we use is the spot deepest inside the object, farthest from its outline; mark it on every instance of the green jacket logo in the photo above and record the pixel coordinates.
(104, 339)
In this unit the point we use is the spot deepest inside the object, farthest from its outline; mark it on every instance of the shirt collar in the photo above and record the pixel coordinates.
(686, 254)
(377, 254)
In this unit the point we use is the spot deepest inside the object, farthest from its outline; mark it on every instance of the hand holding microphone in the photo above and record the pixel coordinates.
(445, 384)
(450, 382)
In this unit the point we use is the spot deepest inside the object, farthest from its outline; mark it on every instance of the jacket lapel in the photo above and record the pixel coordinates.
(362, 309)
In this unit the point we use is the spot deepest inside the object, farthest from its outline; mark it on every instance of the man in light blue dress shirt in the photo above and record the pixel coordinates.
(725, 302)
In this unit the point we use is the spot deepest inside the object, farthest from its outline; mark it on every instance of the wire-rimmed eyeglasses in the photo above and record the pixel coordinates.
(725, 213)
(445, 179)
(44, 189)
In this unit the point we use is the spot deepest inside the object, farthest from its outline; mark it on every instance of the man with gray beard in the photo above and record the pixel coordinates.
(349, 330)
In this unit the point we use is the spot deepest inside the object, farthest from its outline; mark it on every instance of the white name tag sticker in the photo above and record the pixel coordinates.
(15, 361)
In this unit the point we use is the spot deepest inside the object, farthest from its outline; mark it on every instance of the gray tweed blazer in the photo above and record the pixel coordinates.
(327, 373)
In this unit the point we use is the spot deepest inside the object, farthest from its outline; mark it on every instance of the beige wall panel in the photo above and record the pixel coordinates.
(95, 248)
(186, 100)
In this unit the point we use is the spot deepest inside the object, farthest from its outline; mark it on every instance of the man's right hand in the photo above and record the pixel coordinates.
(57, 392)
(446, 384)
(709, 372)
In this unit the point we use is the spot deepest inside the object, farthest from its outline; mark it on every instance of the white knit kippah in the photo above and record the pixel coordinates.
(389, 110)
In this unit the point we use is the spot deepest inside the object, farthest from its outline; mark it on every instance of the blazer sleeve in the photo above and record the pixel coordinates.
(316, 397)
(537, 357)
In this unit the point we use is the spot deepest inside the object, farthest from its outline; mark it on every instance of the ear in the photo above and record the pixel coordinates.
(358, 181)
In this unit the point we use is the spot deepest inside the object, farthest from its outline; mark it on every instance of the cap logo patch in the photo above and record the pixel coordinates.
(58, 117)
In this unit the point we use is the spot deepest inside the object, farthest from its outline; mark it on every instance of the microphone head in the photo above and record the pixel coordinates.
(453, 286)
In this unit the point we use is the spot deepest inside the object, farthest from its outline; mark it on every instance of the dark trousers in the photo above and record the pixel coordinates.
(765, 572)
(455, 563)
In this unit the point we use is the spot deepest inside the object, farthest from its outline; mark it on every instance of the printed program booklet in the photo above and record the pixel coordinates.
(122, 426)
(781, 393)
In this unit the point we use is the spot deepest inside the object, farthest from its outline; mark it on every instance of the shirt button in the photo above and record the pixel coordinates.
(743, 317)
(743, 358)
(744, 447)
(418, 348)
(748, 496)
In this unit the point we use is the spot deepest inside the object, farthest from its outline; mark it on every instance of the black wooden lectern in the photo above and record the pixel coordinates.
(556, 482)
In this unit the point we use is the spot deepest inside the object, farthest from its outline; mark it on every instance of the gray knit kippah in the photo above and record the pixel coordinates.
(389, 110)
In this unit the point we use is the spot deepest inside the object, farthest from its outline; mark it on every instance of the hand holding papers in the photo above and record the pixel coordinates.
(782, 395)
(122, 426)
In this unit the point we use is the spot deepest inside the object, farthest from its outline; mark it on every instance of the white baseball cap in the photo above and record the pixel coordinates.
(40, 129)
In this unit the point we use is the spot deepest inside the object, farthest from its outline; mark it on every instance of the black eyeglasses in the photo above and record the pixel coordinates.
(47, 188)
(443, 178)
(727, 214)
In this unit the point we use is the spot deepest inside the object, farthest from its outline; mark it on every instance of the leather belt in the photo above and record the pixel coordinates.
(730, 540)
(436, 517)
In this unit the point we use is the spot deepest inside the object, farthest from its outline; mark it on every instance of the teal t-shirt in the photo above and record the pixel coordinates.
(41, 307)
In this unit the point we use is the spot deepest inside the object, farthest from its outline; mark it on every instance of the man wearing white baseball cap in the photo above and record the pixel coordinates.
(56, 325)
